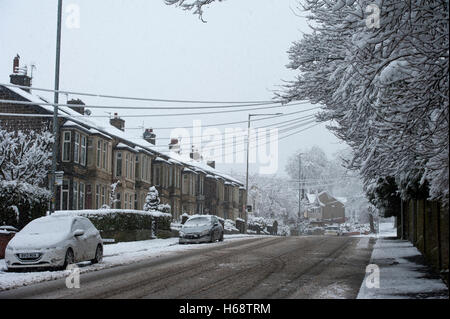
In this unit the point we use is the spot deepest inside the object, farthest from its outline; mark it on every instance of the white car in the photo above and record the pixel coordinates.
(54, 241)
(201, 229)
(332, 231)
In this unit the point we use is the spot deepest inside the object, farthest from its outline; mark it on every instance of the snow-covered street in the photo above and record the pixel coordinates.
(114, 255)
(402, 271)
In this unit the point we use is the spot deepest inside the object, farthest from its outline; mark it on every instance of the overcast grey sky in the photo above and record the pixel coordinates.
(147, 49)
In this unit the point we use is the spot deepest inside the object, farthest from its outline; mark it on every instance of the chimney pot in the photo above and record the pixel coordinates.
(16, 64)
(149, 136)
(18, 78)
(117, 122)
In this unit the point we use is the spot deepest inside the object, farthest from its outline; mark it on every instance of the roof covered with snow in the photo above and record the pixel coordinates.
(103, 127)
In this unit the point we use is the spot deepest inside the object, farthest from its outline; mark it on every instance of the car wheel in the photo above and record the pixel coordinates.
(69, 258)
(98, 255)
(221, 237)
(212, 237)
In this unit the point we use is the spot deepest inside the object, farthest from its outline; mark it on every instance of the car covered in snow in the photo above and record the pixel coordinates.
(332, 231)
(200, 229)
(54, 242)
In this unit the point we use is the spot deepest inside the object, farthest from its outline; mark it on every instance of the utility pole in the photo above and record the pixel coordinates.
(55, 109)
(299, 185)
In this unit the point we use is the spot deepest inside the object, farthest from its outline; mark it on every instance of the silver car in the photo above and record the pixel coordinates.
(54, 241)
(201, 229)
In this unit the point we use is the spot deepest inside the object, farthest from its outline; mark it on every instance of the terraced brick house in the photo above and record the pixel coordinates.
(95, 153)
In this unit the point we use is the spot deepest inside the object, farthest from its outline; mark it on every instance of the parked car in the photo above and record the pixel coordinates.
(200, 229)
(332, 231)
(54, 241)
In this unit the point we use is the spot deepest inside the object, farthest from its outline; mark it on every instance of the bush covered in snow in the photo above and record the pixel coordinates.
(25, 158)
(126, 224)
(230, 227)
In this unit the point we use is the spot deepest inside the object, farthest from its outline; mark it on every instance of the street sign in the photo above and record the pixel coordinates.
(59, 178)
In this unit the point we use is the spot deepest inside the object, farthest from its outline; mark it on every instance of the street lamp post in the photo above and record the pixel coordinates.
(248, 153)
(55, 109)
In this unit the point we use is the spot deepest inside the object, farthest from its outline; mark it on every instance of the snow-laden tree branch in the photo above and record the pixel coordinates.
(384, 89)
(192, 5)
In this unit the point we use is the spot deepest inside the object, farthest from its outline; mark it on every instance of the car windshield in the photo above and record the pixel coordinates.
(198, 221)
(47, 225)
(333, 228)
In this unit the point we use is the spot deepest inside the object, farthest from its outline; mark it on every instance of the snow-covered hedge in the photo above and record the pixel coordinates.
(21, 202)
(230, 227)
(126, 224)
(261, 225)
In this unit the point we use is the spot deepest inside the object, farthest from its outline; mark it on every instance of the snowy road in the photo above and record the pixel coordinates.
(261, 267)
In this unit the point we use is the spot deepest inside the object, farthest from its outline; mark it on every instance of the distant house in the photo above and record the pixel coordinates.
(325, 208)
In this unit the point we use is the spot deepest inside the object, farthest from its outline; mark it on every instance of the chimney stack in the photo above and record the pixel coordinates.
(117, 122)
(195, 154)
(79, 108)
(16, 64)
(19, 75)
(174, 146)
(150, 136)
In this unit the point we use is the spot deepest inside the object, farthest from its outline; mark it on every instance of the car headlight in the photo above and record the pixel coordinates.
(204, 233)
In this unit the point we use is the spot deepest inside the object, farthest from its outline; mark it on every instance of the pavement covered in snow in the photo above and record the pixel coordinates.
(403, 273)
(114, 255)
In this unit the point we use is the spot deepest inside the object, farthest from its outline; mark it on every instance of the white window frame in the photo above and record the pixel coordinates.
(119, 157)
(75, 195)
(76, 148)
(99, 153)
(82, 191)
(105, 156)
(62, 192)
(97, 196)
(66, 143)
(83, 152)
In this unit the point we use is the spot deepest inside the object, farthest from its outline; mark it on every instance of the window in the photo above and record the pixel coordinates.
(64, 200)
(82, 196)
(201, 185)
(156, 174)
(132, 173)
(119, 164)
(136, 201)
(83, 150)
(126, 165)
(126, 200)
(76, 149)
(66, 147)
(138, 171)
(75, 195)
(118, 201)
(170, 176)
(105, 156)
(97, 196)
(103, 195)
(185, 184)
(99, 153)
(130, 201)
(90, 152)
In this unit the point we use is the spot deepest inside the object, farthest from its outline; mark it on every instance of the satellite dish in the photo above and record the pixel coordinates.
(87, 112)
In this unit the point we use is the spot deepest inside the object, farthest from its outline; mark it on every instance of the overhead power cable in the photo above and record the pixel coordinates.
(132, 98)
(157, 115)
(227, 123)
(272, 125)
(122, 107)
